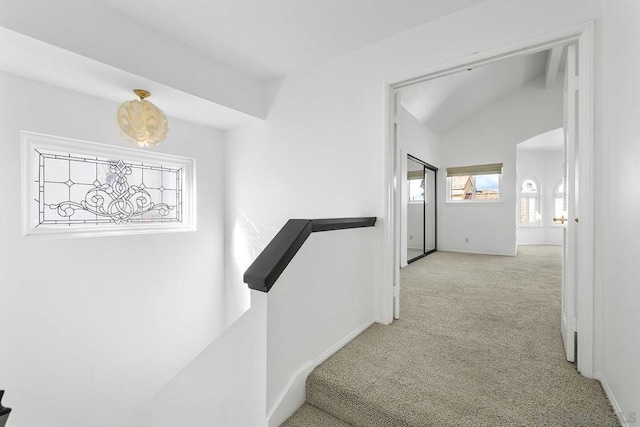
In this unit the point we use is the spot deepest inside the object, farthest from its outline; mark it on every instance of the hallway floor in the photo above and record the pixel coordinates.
(478, 344)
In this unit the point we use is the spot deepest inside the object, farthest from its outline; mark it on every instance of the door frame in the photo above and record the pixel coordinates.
(583, 34)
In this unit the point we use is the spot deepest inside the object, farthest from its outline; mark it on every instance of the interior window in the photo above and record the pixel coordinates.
(530, 202)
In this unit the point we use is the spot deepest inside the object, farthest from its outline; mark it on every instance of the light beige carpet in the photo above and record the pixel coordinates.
(478, 344)
(309, 415)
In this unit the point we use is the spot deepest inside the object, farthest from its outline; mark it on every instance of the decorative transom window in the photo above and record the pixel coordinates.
(480, 183)
(75, 188)
(530, 202)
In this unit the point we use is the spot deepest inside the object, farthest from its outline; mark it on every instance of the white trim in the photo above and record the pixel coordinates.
(474, 252)
(384, 308)
(526, 46)
(34, 141)
(583, 34)
(586, 153)
(617, 409)
(540, 244)
(294, 394)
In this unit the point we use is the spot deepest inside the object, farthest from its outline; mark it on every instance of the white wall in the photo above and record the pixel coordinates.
(113, 38)
(546, 167)
(93, 327)
(418, 140)
(320, 299)
(226, 384)
(326, 173)
(618, 206)
(491, 136)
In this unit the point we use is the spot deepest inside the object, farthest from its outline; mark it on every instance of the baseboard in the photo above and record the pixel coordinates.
(622, 416)
(294, 394)
(474, 252)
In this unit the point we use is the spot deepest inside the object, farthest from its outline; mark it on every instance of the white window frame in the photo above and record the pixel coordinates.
(47, 143)
(538, 198)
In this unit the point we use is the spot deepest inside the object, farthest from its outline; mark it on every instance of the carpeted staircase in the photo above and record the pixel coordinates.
(309, 415)
(478, 344)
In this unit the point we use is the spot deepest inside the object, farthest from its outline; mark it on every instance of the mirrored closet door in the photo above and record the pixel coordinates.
(421, 238)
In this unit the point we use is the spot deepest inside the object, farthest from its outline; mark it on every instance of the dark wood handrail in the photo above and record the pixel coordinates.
(3, 411)
(272, 261)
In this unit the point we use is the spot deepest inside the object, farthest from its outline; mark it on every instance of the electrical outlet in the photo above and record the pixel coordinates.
(410, 237)
(466, 240)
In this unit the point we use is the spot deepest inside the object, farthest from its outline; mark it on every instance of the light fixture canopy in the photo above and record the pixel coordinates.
(141, 122)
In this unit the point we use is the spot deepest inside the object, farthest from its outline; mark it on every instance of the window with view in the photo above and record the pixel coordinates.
(530, 202)
(480, 183)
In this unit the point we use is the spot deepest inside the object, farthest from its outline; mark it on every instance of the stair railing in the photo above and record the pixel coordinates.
(4, 412)
(275, 257)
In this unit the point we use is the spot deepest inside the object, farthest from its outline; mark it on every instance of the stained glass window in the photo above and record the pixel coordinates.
(110, 189)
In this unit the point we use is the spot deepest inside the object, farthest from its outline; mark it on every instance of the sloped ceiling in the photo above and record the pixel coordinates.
(548, 141)
(266, 38)
(443, 103)
(191, 52)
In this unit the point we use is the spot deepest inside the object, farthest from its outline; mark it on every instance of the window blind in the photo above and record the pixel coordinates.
(491, 169)
(415, 174)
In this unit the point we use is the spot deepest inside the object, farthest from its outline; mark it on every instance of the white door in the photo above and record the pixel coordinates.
(568, 218)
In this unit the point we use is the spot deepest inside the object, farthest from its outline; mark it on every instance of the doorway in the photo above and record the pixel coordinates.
(582, 37)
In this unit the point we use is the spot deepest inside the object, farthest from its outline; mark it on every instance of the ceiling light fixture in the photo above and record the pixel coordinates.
(141, 122)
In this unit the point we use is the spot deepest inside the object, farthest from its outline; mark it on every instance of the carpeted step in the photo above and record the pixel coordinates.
(342, 402)
(310, 416)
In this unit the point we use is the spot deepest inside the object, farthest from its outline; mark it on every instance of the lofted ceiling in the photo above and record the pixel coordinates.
(444, 102)
(210, 56)
(264, 39)
(548, 141)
